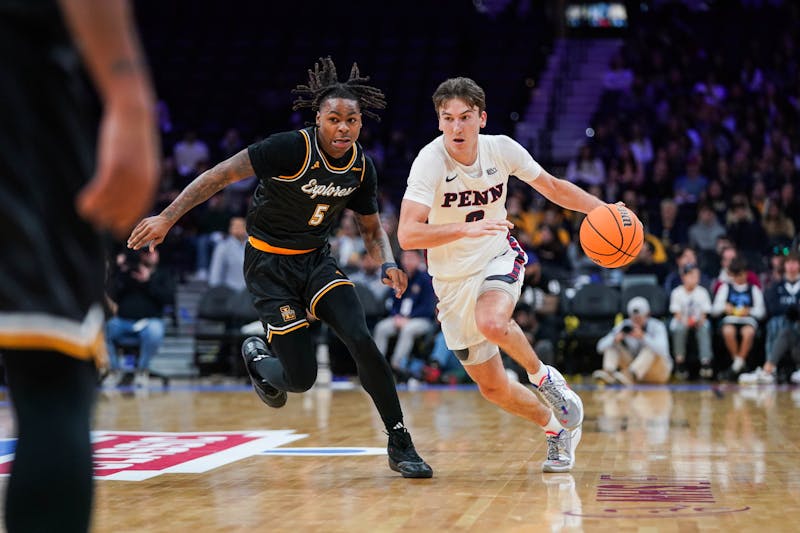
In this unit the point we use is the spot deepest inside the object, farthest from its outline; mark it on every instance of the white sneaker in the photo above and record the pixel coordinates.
(757, 377)
(623, 378)
(141, 380)
(111, 380)
(605, 377)
(563, 401)
(795, 377)
(561, 450)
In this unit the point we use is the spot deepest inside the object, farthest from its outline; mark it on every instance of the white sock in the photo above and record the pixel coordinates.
(738, 364)
(537, 377)
(552, 427)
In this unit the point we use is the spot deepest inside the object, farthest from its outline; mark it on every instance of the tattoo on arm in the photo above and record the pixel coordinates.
(208, 184)
(376, 241)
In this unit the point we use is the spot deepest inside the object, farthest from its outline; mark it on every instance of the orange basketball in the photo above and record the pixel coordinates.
(612, 235)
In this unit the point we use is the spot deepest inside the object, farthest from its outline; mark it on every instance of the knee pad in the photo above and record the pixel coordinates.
(477, 353)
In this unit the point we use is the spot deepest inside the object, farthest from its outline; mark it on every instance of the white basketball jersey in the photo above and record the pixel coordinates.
(441, 183)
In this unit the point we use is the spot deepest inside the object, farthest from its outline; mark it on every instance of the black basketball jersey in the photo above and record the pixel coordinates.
(301, 191)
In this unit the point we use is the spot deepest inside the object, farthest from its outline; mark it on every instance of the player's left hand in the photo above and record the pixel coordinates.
(397, 280)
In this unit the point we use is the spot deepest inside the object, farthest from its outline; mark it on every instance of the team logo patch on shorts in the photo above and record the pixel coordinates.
(287, 313)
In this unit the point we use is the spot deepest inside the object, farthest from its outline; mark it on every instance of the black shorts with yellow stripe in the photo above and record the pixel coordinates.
(285, 286)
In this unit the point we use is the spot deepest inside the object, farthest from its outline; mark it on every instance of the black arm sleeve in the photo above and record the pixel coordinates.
(365, 200)
(280, 154)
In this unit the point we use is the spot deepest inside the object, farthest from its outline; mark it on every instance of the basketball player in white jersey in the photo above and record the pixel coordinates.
(454, 207)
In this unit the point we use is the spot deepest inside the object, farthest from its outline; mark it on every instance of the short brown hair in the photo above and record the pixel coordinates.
(462, 88)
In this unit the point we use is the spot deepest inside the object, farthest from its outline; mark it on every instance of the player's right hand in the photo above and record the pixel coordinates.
(149, 232)
(486, 226)
(126, 178)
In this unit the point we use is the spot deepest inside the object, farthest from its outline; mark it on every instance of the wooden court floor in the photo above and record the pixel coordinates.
(691, 458)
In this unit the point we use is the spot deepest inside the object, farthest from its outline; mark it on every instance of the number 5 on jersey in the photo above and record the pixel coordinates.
(319, 214)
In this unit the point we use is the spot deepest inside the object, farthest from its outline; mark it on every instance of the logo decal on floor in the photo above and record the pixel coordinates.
(138, 455)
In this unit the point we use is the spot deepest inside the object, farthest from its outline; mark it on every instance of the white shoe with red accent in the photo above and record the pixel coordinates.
(564, 402)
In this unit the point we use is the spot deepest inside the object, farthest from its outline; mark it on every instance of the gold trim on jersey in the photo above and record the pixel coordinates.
(323, 291)
(272, 330)
(363, 168)
(42, 331)
(304, 167)
(263, 246)
(331, 168)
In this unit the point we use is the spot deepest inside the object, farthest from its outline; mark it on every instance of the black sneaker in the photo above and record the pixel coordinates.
(254, 349)
(403, 457)
(706, 371)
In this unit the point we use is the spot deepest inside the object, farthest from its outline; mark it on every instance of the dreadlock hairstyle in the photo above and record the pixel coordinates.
(323, 83)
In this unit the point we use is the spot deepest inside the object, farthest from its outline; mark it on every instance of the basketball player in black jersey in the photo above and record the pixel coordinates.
(305, 179)
(56, 191)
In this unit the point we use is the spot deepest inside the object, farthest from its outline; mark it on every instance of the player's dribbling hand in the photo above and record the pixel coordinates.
(397, 280)
(149, 232)
(125, 181)
(486, 226)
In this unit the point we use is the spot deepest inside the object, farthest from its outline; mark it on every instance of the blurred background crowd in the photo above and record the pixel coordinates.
(687, 111)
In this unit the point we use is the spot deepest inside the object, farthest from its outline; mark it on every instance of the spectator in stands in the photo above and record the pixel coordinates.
(645, 264)
(670, 227)
(787, 343)
(789, 202)
(636, 350)
(780, 297)
(369, 275)
(779, 228)
(586, 169)
(347, 245)
(137, 292)
(690, 187)
(227, 261)
(189, 153)
(704, 233)
(411, 316)
(743, 228)
(739, 305)
(688, 256)
(726, 256)
(690, 305)
(231, 143)
(211, 228)
(641, 146)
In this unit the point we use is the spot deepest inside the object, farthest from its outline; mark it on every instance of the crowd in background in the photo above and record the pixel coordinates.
(697, 132)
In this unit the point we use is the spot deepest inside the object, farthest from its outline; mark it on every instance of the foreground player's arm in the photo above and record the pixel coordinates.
(126, 173)
(376, 241)
(152, 230)
(565, 193)
(414, 232)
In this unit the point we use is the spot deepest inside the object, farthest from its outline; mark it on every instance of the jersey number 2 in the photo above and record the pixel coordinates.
(319, 214)
(474, 215)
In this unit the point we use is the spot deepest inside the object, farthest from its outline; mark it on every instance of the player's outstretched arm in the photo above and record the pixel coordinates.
(152, 230)
(565, 193)
(414, 232)
(126, 173)
(376, 241)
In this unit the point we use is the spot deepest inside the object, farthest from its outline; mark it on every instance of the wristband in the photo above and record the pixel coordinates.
(386, 267)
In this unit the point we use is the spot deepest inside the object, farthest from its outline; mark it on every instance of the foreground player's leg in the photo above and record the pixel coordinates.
(517, 399)
(51, 486)
(492, 312)
(341, 309)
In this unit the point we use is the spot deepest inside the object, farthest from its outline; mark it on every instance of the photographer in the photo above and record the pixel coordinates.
(787, 343)
(636, 350)
(136, 295)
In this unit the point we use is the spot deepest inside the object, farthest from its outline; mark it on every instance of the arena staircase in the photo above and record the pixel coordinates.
(566, 96)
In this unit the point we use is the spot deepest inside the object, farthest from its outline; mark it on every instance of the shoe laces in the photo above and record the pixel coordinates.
(549, 389)
(554, 446)
(400, 440)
